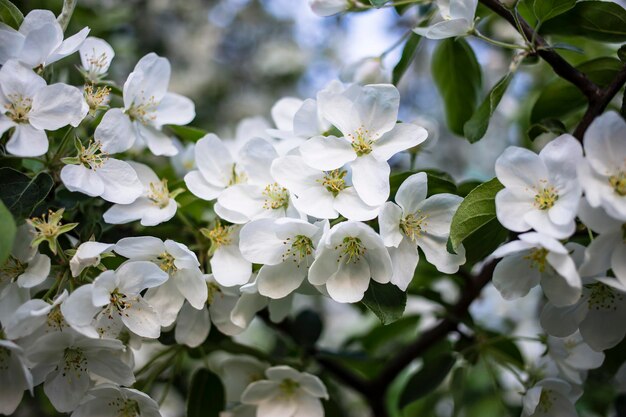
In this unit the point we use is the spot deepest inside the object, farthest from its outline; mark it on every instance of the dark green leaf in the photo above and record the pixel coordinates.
(621, 53)
(187, 133)
(306, 328)
(457, 76)
(484, 240)
(554, 126)
(547, 9)
(206, 395)
(476, 127)
(408, 53)
(505, 351)
(21, 193)
(427, 379)
(600, 20)
(559, 98)
(386, 301)
(476, 210)
(384, 335)
(10, 14)
(7, 233)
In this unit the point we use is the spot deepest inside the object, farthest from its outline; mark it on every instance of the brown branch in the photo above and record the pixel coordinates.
(560, 66)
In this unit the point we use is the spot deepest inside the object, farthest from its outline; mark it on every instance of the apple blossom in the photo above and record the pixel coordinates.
(25, 265)
(550, 397)
(573, 357)
(541, 191)
(95, 56)
(39, 40)
(88, 254)
(228, 265)
(108, 400)
(15, 377)
(458, 20)
(36, 315)
(31, 107)
(366, 116)
(147, 107)
(417, 221)
(348, 256)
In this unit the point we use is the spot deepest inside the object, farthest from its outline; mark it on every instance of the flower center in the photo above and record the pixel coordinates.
(55, 319)
(95, 97)
(334, 181)
(166, 262)
(276, 197)
(546, 400)
(289, 387)
(236, 177)
(92, 157)
(546, 197)
(218, 236)
(119, 300)
(96, 63)
(125, 408)
(159, 194)
(352, 249)
(603, 297)
(361, 141)
(301, 247)
(144, 113)
(412, 225)
(18, 108)
(11, 269)
(537, 258)
(618, 182)
(74, 361)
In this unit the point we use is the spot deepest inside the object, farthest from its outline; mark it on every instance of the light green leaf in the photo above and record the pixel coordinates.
(547, 9)
(408, 53)
(458, 78)
(187, 133)
(21, 193)
(386, 301)
(10, 14)
(476, 210)
(476, 127)
(7, 233)
(428, 378)
(600, 20)
(206, 395)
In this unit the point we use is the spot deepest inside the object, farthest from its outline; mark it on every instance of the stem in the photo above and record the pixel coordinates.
(396, 44)
(497, 43)
(66, 13)
(62, 146)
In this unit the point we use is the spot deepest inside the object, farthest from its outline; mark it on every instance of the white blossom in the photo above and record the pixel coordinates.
(416, 221)
(238, 372)
(25, 265)
(550, 397)
(95, 57)
(572, 357)
(108, 400)
(541, 191)
(36, 317)
(31, 107)
(329, 7)
(458, 20)
(88, 254)
(15, 377)
(228, 265)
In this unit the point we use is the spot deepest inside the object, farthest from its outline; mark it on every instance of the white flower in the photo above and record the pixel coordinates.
(366, 71)
(366, 116)
(185, 282)
(15, 377)
(599, 314)
(542, 191)
(147, 107)
(285, 248)
(108, 400)
(417, 221)
(238, 372)
(35, 315)
(95, 57)
(184, 161)
(548, 398)
(608, 249)
(458, 20)
(155, 205)
(68, 360)
(329, 7)
(573, 357)
(321, 194)
(348, 256)
(88, 254)
(603, 172)
(39, 40)
(115, 297)
(228, 265)
(25, 265)
(536, 258)
(286, 393)
(31, 107)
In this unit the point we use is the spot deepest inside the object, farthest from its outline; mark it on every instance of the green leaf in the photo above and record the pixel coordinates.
(476, 127)
(428, 378)
(10, 14)
(599, 20)
(547, 9)
(187, 133)
(21, 193)
(621, 53)
(484, 241)
(559, 98)
(505, 351)
(408, 53)
(386, 301)
(457, 76)
(476, 210)
(553, 126)
(206, 395)
(378, 3)
(7, 233)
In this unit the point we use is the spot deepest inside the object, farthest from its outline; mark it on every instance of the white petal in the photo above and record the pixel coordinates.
(78, 308)
(371, 179)
(318, 202)
(69, 46)
(562, 321)
(256, 157)
(283, 112)
(349, 283)
(115, 132)
(404, 260)
(79, 178)
(11, 43)
(175, 109)
(214, 160)
(596, 218)
(96, 55)
(260, 391)
(18, 79)
(327, 152)
(27, 141)
(190, 283)
(139, 275)
(141, 319)
(604, 143)
(37, 271)
(107, 364)
(259, 244)
(56, 106)
(389, 224)
(403, 136)
(167, 301)
(278, 281)
(140, 248)
(149, 80)
(158, 142)
(561, 156)
(566, 288)
(445, 29)
(192, 326)
(412, 192)
(434, 248)
(520, 168)
(199, 187)
(540, 220)
(292, 173)
(39, 44)
(229, 267)
(65, 390)
(513, 277)
(351, 206)
(121, 184)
